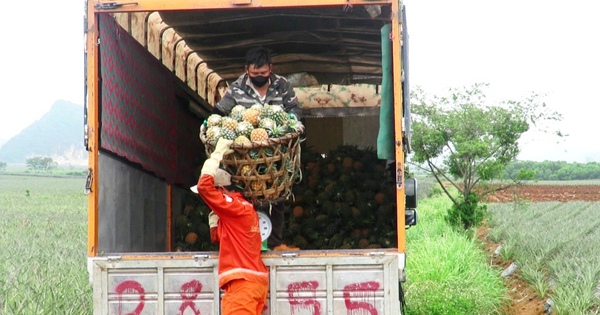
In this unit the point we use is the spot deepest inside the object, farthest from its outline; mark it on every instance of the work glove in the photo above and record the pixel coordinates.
(211, 165)
(213, 220)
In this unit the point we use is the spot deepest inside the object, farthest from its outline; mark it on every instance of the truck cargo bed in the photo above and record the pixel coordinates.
(305, 282)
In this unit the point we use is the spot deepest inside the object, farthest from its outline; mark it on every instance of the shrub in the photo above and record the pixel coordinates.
(466, 214)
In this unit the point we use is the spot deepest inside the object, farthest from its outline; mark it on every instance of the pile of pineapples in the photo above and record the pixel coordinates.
(190, 228)
(346, 200)
(254, 124)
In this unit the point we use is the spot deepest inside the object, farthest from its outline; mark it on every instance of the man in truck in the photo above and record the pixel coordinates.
(259, 85)
(242, 273)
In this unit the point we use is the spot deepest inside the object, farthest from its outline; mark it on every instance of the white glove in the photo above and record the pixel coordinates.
(222, 149)
(213, 218)
(212, 163)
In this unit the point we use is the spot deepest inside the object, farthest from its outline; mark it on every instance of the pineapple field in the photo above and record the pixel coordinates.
(548, 192)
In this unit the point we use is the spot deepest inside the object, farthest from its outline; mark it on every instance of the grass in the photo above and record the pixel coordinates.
(59, 170)
(446, 270)
(557, 245)
(43, 246)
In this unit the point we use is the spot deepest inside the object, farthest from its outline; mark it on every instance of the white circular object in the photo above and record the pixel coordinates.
(264, 224)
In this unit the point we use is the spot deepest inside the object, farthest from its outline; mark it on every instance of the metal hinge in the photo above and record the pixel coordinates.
(289, 255)
(88, 182)
(200, 257)
(377, 254)
(111, 5)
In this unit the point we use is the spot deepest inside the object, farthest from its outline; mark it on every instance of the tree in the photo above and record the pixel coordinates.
(2, 166)
(39, 163)
(461, 139)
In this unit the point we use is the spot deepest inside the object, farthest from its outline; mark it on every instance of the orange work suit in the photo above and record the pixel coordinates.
(242, 273)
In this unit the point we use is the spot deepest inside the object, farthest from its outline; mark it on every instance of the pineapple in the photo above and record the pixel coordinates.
(203, 229)
(229, 123)
(213, 133)
(191, 238)
(259, 134)
(258, 185)
(242, 140)
(280, 116)
(181, 221)
(267, 111)
(237, 112)
(244, 128)
(269, 152)
(228, 134)
(288, 165)
(258, 107)
(266, 123)
(336, 241)
(246, 170)
(276, 113)
(254, 154)
(251, 115)
(213, 120)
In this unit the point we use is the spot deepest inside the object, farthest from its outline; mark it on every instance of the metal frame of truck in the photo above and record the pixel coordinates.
(169, 282)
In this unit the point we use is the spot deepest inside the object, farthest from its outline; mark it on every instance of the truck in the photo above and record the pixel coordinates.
(154, 70)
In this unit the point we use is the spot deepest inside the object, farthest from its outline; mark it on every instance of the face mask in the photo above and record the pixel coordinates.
(259, 81)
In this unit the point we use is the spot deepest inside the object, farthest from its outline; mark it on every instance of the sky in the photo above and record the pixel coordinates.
(41, 61)
(517, 46)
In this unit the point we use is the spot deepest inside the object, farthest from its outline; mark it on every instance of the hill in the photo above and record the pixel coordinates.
(58, 134)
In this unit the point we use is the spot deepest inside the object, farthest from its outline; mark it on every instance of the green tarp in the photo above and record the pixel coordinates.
(385, 137)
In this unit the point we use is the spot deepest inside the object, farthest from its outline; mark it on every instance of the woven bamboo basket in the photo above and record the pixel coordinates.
(265, 171)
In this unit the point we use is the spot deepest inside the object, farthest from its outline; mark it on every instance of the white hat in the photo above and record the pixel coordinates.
(222, 178)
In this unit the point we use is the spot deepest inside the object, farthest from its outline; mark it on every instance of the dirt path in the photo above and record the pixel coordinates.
(524, 300)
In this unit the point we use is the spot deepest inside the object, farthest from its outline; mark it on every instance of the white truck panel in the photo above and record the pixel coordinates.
(349, 282)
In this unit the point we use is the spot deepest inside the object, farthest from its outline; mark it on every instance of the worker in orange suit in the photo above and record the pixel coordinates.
(242, 274)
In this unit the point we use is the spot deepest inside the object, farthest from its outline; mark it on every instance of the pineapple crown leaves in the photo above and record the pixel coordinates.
(295, 125)
(278, 130)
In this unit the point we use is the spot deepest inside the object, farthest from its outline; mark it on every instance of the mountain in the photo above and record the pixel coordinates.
(58, 134)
